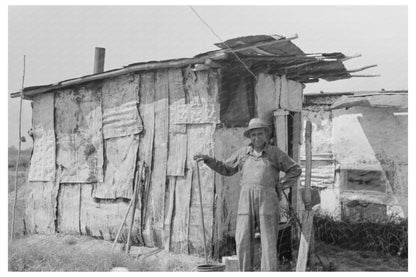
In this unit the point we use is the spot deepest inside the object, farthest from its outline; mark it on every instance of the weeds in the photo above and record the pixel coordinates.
(388, 235)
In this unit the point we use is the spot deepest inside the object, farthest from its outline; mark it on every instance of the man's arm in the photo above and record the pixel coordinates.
(227, 168)
(292, 169)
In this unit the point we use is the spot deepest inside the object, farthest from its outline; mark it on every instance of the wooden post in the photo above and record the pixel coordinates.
(307, 218)
(99, 59)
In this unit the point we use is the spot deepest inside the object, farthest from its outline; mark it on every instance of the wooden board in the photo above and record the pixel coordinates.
(291, 95)
(42, 164)
(146, 108)
(266, 97)
(200, 140)
(281, 129)
(305, 240)
(177, 132)
(158, 184)
(69, 208)
(79, 141)
(41, 205)
(180, 220)
(170, 201)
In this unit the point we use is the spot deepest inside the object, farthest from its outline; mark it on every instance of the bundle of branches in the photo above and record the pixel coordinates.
(387, 235)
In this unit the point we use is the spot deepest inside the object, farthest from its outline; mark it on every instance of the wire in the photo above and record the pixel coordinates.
(229, 48)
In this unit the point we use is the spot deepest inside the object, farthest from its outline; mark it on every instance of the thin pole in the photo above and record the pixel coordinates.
(18, 152)
(202, 213)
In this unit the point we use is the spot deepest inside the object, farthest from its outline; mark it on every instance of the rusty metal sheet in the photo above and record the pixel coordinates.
(79, 136)
(42, 166)
(40, 208)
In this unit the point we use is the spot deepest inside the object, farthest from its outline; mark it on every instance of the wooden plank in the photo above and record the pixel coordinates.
(177, 132)
(69, 208)
(307, 220)
(280, 125)
(41, 205)
(200, 140)
(266, 97)
(295, 98)
(307, 226)
(180, 221)
(42, 164)
(158, 184)
(284, 93)
(146, 108)
(169, 213)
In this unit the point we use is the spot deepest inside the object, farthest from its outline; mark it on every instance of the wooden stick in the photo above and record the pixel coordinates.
(202, 212)
(361, 68)
(137, 182)
(122, 224)
(16, 175)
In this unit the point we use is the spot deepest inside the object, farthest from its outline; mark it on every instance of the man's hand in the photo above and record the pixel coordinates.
(201, 157)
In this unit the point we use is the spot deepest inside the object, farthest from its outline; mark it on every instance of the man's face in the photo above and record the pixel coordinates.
(258, 137)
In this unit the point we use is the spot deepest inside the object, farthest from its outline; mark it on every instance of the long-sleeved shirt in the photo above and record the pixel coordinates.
(278, 160)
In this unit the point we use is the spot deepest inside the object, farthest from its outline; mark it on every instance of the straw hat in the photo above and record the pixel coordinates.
(255, 123)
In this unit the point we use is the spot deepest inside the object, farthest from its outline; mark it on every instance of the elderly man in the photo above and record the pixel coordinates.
(260, 164)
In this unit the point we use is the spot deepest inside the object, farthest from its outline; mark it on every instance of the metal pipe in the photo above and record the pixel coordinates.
(99, 59)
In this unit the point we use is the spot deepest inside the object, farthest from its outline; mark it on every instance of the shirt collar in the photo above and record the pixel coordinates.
(250, 149)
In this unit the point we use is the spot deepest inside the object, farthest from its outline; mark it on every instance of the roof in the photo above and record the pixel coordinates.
(261, 53)
(375, 100)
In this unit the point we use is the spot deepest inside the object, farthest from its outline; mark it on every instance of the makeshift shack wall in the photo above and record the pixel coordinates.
(374, 139)
(103, 129)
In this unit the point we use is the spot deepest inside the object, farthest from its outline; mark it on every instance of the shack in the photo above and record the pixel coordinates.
(91, 133)
(360, 152)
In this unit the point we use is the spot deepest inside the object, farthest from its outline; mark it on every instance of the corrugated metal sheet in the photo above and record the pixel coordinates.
(194, 113)
(323, 171)
(122, 120)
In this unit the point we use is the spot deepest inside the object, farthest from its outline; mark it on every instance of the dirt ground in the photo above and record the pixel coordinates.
(79, 253)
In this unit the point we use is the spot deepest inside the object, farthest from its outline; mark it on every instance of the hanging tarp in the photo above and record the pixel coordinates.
(42, 165)
(79, 136)
(120, 164)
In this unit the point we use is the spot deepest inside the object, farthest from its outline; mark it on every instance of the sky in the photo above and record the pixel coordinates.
(59, 41)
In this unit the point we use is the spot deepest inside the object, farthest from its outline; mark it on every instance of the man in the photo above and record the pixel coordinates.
(260, 164)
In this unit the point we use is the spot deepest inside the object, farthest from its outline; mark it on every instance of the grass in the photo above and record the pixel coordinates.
(57, 252)
(68, 253)
(385, 235)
